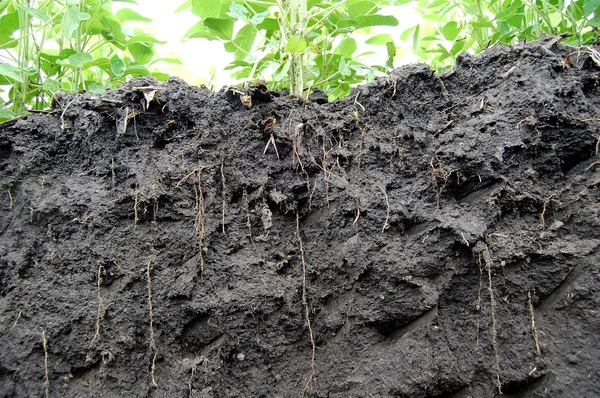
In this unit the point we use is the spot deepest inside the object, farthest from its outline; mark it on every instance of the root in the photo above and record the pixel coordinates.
(200, 215)
(311, 378)
(546, 203)
(151, 319)
(191, 380)
(16, 322)
(42, 189)
(200, 219)
(488, 264)
(248, 220)
(46, 374)
(10, 200)
(136, 203)
(296, 143)
(533, 329)
(357, 211)
(435, 172)
(223, 212)
(100, 313)
(193, 364)
(387, 211)
(478, 305)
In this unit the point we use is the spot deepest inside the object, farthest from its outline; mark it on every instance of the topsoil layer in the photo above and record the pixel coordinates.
(429, 235)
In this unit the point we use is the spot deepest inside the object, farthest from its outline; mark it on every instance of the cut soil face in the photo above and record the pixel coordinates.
(429, 235)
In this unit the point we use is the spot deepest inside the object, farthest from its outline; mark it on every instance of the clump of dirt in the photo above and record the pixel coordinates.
(430, 235)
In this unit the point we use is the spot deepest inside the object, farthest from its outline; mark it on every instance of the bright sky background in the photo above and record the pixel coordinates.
(199, 55)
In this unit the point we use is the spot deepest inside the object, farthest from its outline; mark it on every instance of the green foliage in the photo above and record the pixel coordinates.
(71, 45)
(294, 43)
(450, 27)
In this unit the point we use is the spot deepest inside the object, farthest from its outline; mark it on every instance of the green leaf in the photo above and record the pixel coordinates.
(589, 6)
(51, 85)
(127, 14)
(184, 6)
(451, 30)
(259, 18)
(229, 47)
(111, 30)
(199, 31)
(35, 13)
(347, 47)
(142, 53)
(404, 35)
(350, 24)
(269, 24)
(96, 62)
(244, 39)
(377, 20)
(344, 69)
(457, 47)
(391, 51)
(238, 11)
(96, 88)
(222, 28)
(415, 43)
(173, 61)
(8, 42)
(380, 39)
(282, 71)
(70, 22)
(145, 38)
(11, 72)
(136, 70)
(210, 8)
(296, 45)
(117, 65)
(482, 23)
(79, 59)
(9, 23)
(361, 8)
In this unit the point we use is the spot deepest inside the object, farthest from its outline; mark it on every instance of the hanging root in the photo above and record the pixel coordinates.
(387, 211)
(151, 317)
(534, 332)
(100, 313)
(311, 378)
(46, 374)
(199, 208)
(223, 212)
(488, 263)
(435, 172)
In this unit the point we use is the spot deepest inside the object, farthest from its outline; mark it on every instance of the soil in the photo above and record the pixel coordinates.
(429, 235)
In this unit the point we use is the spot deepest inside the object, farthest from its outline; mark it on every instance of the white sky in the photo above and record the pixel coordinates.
(199, 55)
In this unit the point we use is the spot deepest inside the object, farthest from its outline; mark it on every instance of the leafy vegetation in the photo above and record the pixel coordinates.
(450, 27)
(46, 46)
(294, 43)
(72, 45)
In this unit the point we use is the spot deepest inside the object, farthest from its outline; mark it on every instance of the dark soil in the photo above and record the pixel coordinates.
(430, 235)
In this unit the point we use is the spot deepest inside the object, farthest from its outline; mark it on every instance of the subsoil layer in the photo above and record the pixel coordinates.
(429, 235)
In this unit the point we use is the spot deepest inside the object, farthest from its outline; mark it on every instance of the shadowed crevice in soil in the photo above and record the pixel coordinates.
(446, 244)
